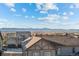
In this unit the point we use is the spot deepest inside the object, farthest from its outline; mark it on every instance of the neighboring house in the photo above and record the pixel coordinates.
(11, 39)
(40, 47)
(15, 38)
(70, 43)
(51, 45)
(21, 36)
(12, 46)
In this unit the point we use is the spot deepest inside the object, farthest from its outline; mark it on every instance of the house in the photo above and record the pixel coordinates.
(38, 46)
(11, 48)
(15, 38)
(51, 45)
(21, 36)
(11, 39)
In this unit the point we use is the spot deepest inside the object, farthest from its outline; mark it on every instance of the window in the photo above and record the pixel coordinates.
(66, 51)
(36, 53)
(59, 51)
(47, 53)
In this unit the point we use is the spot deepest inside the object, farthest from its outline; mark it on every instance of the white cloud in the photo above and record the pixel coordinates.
(26, 16)
(39, 6)
(3, 20)
(6, 23)
(13, 9)
(68, 13)
(76, 5)
(54, 18)
(65, 17)
(71, 6)
(64, 13)
(33, 16)
(50, 6)
(24, 9)
(46, 6)
(43, 12)
(10, 5)
(3, 23)
(49, 18)
(71, 13)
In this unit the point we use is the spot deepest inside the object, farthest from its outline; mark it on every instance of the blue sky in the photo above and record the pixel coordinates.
(39, 15)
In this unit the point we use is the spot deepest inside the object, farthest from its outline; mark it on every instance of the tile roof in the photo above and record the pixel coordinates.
(32, 41)
(63, 40)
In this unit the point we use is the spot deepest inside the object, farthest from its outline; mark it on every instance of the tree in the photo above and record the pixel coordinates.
(1, 41)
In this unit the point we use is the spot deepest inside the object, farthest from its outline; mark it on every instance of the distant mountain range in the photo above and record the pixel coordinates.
(37, 29)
